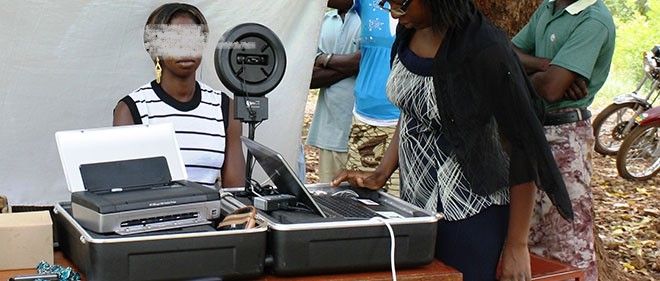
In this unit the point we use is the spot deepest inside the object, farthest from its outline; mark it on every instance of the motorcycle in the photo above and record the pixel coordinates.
(639, 155)
(617, 120)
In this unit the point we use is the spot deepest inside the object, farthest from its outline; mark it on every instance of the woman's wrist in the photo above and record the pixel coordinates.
(380, 177)
(515, 243)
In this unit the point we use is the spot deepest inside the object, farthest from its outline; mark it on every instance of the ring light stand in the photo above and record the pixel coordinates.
(250, 61)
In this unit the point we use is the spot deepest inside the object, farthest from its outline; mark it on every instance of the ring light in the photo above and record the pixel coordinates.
(250, 60)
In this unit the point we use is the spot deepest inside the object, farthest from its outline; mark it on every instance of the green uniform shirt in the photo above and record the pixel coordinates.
(579, 38)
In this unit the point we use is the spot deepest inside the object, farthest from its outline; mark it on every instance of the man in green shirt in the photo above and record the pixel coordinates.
(566, 49)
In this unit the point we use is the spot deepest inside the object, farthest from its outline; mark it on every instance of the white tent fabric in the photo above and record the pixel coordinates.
(65, 64)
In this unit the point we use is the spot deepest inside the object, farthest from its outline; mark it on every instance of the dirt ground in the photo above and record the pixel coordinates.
(628, 219)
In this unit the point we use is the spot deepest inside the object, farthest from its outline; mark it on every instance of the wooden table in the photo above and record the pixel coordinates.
(58, 259)
(434, 271)
(542, 270)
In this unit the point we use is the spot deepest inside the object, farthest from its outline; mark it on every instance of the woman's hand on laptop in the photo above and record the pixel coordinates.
(369, 180)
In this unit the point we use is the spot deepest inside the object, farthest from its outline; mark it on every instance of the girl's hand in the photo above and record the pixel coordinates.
(369, 180)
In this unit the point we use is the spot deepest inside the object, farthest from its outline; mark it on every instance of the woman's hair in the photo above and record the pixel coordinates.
(164, 14)
(447, 13)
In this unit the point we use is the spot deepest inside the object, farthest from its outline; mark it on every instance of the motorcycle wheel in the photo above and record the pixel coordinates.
(639, 156)
(609, 127)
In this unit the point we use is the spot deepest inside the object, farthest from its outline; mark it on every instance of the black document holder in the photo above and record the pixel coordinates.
(125, 174)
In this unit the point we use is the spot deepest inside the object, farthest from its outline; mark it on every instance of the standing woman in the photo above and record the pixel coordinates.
(469, 143)
(208, 135)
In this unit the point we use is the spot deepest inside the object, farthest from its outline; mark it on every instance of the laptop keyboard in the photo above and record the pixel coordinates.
(345, 207)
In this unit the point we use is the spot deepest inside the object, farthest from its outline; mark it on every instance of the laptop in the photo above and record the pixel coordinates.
(286, 181)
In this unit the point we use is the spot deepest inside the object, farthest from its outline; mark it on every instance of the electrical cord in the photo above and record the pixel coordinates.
(245, 92)
(252, 184)
(346, 193)
(300, 206)
(392, 247)
(300, 209)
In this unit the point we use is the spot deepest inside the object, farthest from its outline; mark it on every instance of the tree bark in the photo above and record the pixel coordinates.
(508, 15)
(511, 16)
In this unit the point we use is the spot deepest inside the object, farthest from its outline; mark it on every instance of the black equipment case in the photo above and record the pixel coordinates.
(302, 244)
(197, 252)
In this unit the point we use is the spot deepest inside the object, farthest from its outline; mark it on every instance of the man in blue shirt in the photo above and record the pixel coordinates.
(374, 116)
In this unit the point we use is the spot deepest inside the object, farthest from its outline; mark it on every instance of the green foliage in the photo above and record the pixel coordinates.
(636, 32)
(626, 9)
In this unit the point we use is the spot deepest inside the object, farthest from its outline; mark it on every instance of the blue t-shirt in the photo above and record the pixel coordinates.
(378, 31)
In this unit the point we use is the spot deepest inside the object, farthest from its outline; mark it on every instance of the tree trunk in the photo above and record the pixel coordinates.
(508, 15)
(511, 16)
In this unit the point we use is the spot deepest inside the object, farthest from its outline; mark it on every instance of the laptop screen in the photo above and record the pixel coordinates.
(99, 145)
(281, 174)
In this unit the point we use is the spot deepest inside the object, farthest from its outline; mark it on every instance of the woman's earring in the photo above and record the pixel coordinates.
(159, 70)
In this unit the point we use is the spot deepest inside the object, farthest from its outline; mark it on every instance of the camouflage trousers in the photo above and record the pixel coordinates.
(551, 235)
(366, 146)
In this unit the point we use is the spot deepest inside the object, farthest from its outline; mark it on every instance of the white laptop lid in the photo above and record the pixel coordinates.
(77, 147)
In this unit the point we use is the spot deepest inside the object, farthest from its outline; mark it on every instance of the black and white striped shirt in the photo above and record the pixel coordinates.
(200, 125)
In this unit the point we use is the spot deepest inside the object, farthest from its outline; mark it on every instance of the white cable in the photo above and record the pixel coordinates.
(392, 239)
(254, 192)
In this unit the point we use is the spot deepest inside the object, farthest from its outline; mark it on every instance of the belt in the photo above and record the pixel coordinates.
(563, 117)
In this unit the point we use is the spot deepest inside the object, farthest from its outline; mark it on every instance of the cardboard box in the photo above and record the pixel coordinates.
(25, 239)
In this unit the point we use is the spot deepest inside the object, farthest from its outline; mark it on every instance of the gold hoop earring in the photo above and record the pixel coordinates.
(159, 70)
